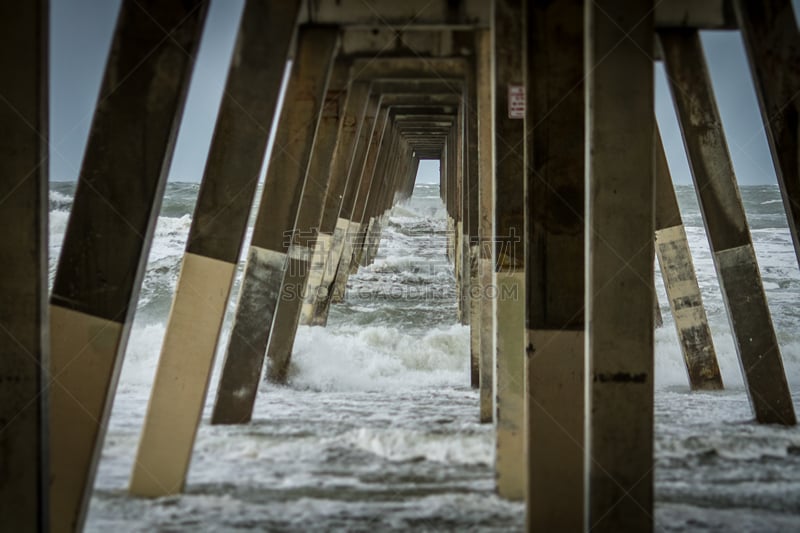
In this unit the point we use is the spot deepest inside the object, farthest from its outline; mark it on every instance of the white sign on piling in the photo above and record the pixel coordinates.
(516, 101)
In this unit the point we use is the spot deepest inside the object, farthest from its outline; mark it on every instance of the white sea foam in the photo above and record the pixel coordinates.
(406, 445)
(379, 358)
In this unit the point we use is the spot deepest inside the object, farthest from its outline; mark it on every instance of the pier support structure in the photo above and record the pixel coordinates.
(619, 233)
(680, 282)
(267, 256)
(555, 265)
(304, 235)
(509, 231)
(24, 346)
(215, 240)
(553, 178)
(770, 34)
(108, 236)
(726, 225)
(485, 111)
(332, 226)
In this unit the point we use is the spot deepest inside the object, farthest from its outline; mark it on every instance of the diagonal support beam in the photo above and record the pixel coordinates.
(772, 41)
(726, 225)
(213, 247)
(267, 256)
(306, 233)
(680, 281)
(109, 234)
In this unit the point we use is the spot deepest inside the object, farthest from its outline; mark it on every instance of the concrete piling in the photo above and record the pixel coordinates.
(108, 236)
(619, 231)
(554, 182)
(771, 40)
(555, 266)
(727, 229)
(267, 257)
(24, 343)
(333, 278)
(341, 186)
(213, 246)
(305, 235)
(473, 222)
(680, 282)
(358, 225)
(484, 111)
(509, 145)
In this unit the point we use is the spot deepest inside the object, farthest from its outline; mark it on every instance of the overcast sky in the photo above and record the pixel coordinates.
(81, 33)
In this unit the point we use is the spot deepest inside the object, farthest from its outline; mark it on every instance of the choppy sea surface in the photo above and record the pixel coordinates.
(378, 428)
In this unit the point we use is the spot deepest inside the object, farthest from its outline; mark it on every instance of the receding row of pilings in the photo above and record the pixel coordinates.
(558, 197)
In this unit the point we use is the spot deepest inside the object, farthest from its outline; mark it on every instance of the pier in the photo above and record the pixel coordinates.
(558, 195)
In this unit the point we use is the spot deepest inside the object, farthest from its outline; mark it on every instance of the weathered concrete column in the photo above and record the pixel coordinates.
(333, 290)
(448, 173)
(358, 224)
(680, 281)
(355, 182)
(396, 162)
(555, 265)
(306, 235)
(396, 175)
(771, 39)
(726, 225)
(485, 104)
(473, 219)
(24, 346)
(108, 237)
(341, 185)
(212, 250)
(463, 229)
(375, 167)
(619, 233)
(387, 158)
(509, 180)
(267, 256)
(365, 204)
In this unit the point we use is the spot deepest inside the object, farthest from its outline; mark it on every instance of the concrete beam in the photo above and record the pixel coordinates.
(385, 40)
(408, 67)
(619, 93)
(215, 239)
(726, 225)
(707, 15)
(266, 262)
(108, 237)
(24, 346)
(555, 265)
(439, 15)
(468, 13)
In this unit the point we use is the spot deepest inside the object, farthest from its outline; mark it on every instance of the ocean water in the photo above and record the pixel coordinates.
(378, 427)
